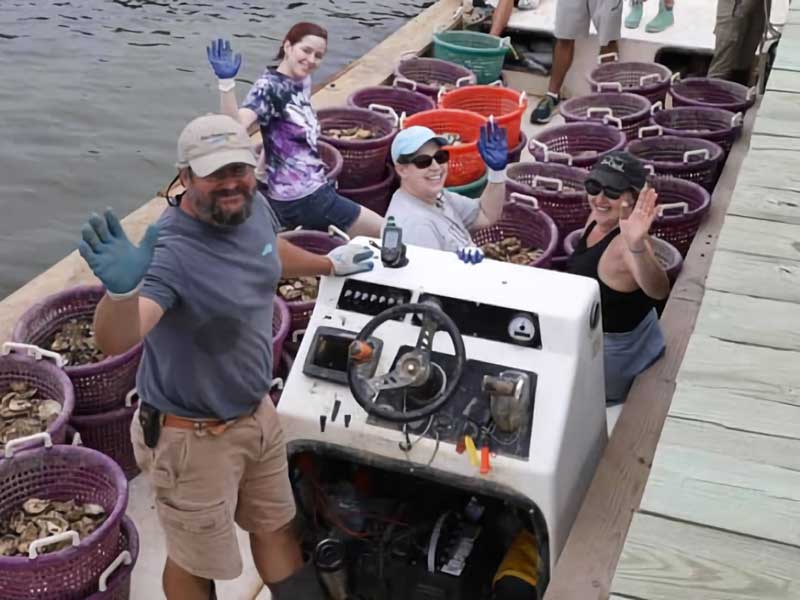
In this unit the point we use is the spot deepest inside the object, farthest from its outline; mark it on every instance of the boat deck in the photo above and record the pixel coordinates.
(720, 512)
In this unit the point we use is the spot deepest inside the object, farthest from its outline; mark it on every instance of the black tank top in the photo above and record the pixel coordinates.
(622, 311)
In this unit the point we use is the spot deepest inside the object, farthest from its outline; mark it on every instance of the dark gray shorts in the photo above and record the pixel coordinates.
(573, 18)
(317, 210)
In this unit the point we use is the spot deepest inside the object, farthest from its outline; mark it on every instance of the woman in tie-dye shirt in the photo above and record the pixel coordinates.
(292, 174)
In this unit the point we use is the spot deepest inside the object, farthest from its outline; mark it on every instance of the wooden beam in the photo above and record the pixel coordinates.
(778, 116)
(763, 201)
(759, 276)
(763, 238)
(782, 80)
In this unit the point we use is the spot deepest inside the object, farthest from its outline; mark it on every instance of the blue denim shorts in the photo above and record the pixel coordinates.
(317, 210)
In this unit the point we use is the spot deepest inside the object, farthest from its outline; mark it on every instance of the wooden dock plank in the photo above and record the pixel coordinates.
(778, 116)
(783, 80)
(668, 560)
(723, 492)
(788, 55)
(764, 238)
(762, 201)
(728, 367)
(758, 276)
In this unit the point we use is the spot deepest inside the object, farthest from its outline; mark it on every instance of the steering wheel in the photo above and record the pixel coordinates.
(413, 369)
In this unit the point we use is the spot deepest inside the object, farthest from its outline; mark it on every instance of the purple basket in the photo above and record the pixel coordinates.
(515, 154)
(281, 322)
(522, 219)
(99, 387)
(118, 580)
(712, 124)
(332, 158)
(666, 253)
(62, 473)
(48, 378)
(692, 159)
(377, 196)
(412, 72)
(650, 80)
(558, 188)
(283, 373)
(110, 433)
(713, 93)
(317, 242)
(577, 144)
(626, 111)
(363, 160)
(399, 100)
(687, 205)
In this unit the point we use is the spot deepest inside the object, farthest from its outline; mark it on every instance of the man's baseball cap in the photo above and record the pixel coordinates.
(412, 139)
(213, 141)
(619, 170)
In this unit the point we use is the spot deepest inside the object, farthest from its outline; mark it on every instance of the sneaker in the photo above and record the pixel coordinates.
(634, 16)
(528, 4)
(545, 109)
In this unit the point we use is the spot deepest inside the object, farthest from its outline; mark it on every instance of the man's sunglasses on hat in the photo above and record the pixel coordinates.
(594, 188)
(423, 161)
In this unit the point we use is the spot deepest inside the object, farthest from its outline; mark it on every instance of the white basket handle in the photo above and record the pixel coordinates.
(614, 86)
(77, 440)
(650, 169)
(33, 351)
(276, 384)
(657, 106)
(129, 397)
(33, 549)
(8, 452)
(675, 78)
(412, 85)
(124, 557)
(497, 83)
(334, 231)
(651, 77)
(557, 155)
(403, 55)
(540, 178)
(296, 335)
(663, 207)
(701, 152)
(613, 120)
(524, 199)
(506, 41)
(599, 110)
(465, 81)
(523, 98)
(736, 120)
(458, 12)
(534, 143)
(613, 55)
(657, 128)
(751, 93)
(388, 110)
(440, 94)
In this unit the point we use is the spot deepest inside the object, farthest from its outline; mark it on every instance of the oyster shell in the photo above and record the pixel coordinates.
(350, 133)
(25, 411)
(8, 545)
(35, 506)
(298, 289)
(75, 342)
(511, 250)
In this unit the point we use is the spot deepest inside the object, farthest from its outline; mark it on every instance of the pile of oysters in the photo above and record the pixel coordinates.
(24, 411)
(350, 133)
(38, 518)
(511, 250)
(298, 289)
(75, 342)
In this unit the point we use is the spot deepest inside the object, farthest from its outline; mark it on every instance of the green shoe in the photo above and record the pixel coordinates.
(661, 21)
(635, 16)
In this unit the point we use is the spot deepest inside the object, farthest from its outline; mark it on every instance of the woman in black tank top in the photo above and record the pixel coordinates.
(616, 251)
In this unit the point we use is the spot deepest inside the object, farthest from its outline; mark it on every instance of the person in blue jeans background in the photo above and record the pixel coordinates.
(291, 172)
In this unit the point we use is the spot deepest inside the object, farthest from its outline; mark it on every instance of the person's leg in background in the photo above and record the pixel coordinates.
(756, 15)
(726, 48)
(502, 13)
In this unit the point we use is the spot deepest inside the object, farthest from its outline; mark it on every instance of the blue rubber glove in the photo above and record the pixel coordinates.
(493, 146)
(223, 61)
(349, 259)
(116, 262)
(471, 255)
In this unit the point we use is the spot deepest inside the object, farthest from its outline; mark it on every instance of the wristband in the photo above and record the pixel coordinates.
(226, 85)
(497, 176)
(124, 295)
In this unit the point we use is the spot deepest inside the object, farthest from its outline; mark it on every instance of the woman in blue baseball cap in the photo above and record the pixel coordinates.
(615, 249)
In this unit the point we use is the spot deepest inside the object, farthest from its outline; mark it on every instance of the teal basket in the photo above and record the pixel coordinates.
(473, 189)
(481, 53)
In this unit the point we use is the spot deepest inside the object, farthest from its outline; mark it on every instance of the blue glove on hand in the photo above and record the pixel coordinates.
(349, 259)
(120, 265)
(493, 146)
(470, 255)
(223, 61)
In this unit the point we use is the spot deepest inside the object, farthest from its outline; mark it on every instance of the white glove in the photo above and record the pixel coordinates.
(349, 259)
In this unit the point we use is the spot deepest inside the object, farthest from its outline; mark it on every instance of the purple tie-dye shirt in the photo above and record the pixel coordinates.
(290, 130)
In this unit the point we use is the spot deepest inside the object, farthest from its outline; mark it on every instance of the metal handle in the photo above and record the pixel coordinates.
(564, 155)
(613, 55)
(129, 397)
(675, 78)
(663, 207)
(656, 128)
(651, 77)
(524, 199)
(465, 81)
(657, 106)
(334, 231)
(42, 435)
(599, 110)
(412, 85)
(388, 110)
(615, 120)
(34, 351)
(557, 182)
(523, 98)
(736, 120)
(124, 557)
(614, 86)
(702, 152)
(33, 549)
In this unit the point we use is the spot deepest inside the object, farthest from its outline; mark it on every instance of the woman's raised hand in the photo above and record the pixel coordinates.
(635, 226)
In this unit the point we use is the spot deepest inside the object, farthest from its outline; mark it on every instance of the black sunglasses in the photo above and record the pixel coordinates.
(593, 188)
(423, 161)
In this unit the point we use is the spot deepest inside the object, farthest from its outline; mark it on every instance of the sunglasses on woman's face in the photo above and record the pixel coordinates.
(423, 161)
(593, 188)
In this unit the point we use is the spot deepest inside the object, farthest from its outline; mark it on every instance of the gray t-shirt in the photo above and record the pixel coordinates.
(443, 226)
(210, 355)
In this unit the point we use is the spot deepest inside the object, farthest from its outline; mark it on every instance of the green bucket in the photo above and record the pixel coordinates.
(482, 53)
(473, 189)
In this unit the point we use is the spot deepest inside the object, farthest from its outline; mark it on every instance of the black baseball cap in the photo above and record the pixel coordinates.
(619, 170)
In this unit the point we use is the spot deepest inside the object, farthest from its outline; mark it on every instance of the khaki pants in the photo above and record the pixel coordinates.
(740, 25)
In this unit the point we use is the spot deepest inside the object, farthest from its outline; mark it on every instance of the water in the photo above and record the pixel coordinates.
(94, 93)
